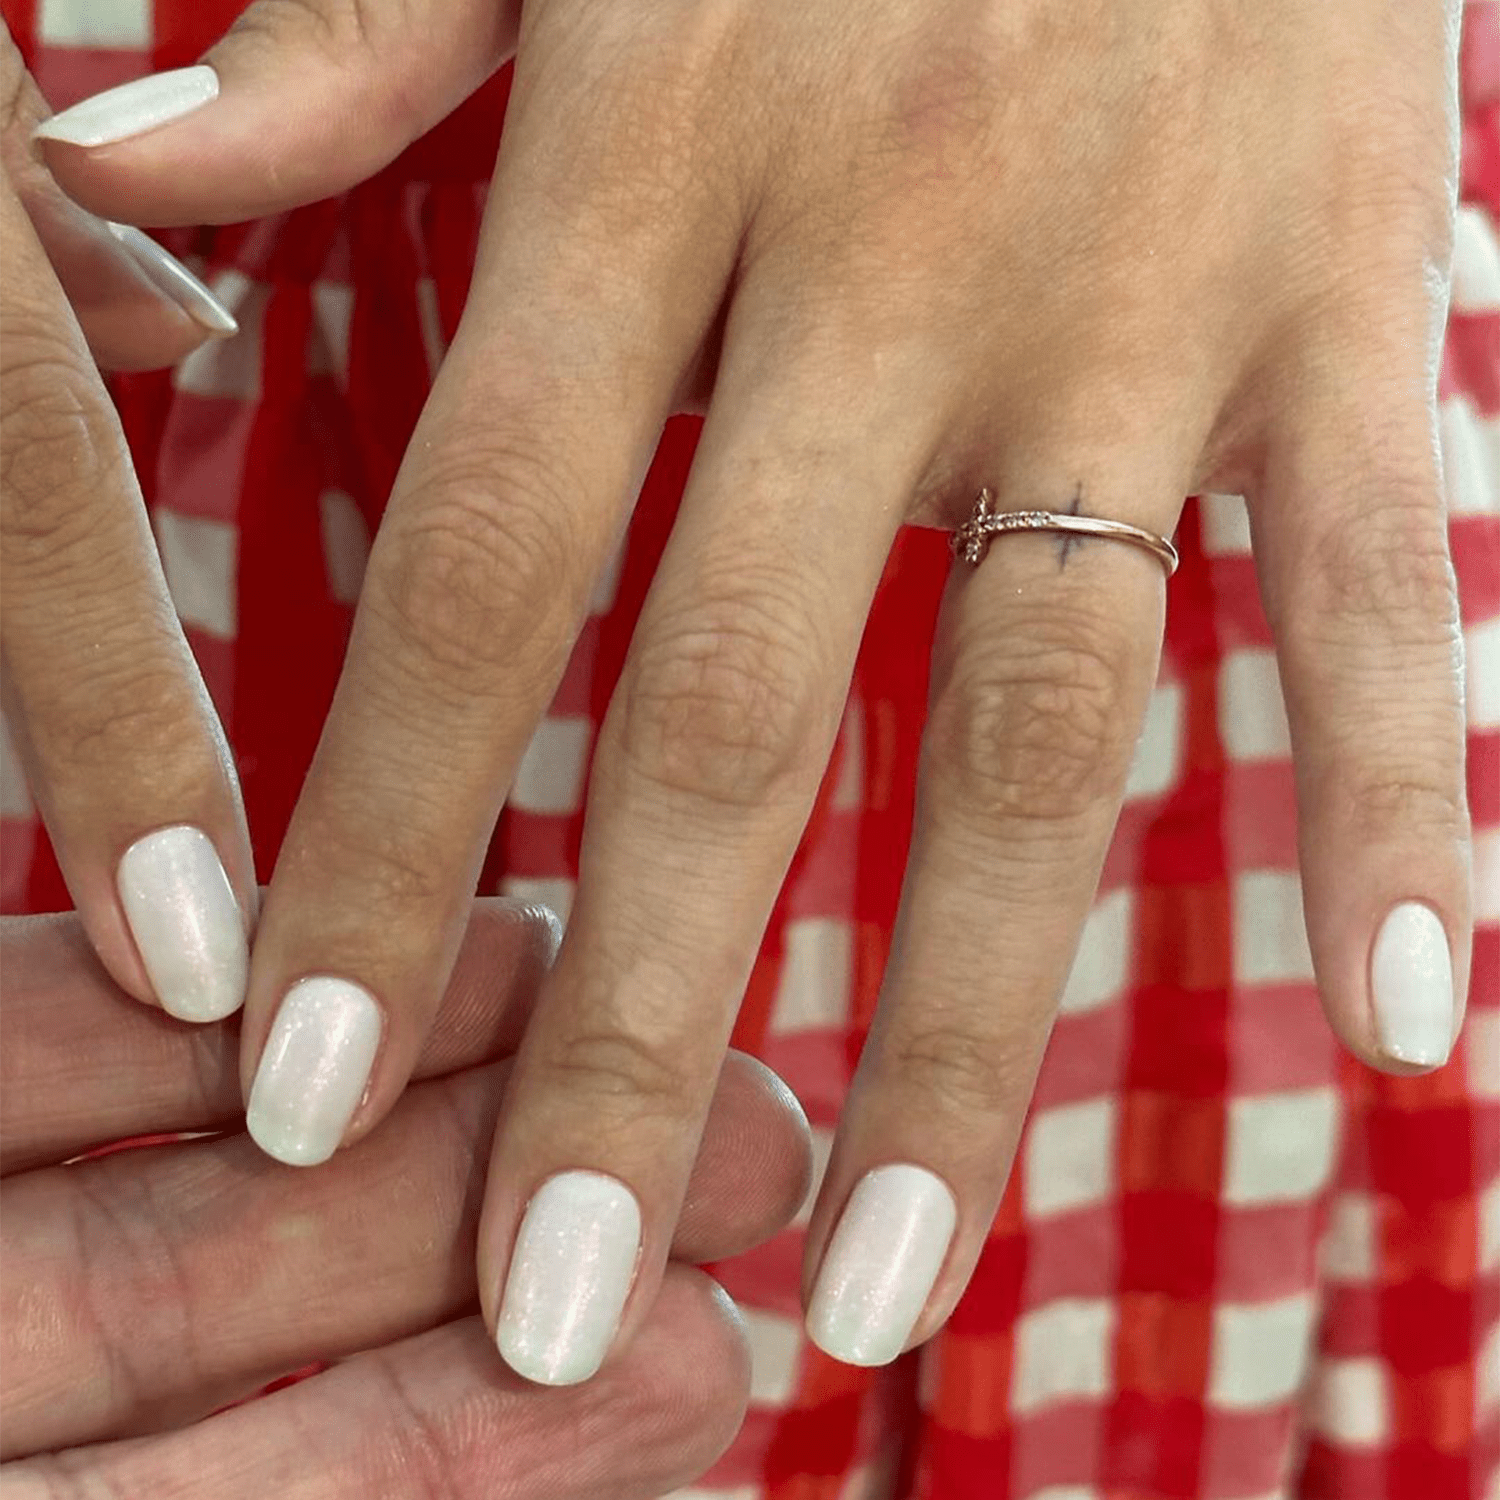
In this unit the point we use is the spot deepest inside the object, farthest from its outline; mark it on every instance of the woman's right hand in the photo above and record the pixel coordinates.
(121, 744)
(145, 1288)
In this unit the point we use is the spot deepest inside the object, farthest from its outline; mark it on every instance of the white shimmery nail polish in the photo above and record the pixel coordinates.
(1411, 986)
(133, 108)
(881, 1264)
(186, 922)
(570, 1274)
(173, 280)
(314, 1070)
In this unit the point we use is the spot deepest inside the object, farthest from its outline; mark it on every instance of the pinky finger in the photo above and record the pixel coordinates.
(438, 1414)
(1351, 547)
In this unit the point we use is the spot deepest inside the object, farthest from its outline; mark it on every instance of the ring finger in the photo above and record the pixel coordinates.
(1043, 665)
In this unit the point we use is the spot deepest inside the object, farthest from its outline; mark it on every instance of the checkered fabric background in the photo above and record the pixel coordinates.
(1232, 1263)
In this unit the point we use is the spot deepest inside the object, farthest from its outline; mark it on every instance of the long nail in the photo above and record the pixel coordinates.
(174, 281)
(314, 1070)
(881, 1264)
(570, 1274)
(186, 923)
(133, 108)
(1411, 985)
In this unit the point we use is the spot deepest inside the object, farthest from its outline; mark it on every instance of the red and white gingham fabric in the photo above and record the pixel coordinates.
(1232, 1263)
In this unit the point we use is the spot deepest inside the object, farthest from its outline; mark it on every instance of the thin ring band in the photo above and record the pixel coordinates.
(971, 541)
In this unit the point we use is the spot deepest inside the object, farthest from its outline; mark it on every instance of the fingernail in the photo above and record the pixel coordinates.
(1411, 983)
(133, 108)
(174, 281)
(313, 1072)
(186, 923)
(881, 1263)
(569, 1277)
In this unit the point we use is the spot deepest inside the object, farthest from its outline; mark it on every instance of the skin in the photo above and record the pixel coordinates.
(100, 689)
(1114, 253)
(148, 1288)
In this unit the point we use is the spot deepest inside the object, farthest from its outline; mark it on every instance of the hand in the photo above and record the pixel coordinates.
(1102, 255)
(124, 752)
(146, 1288)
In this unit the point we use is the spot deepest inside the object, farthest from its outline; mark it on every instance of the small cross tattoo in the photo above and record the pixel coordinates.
(1069, 540)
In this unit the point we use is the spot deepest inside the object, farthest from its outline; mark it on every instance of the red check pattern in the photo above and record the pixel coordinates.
(1232, 1263)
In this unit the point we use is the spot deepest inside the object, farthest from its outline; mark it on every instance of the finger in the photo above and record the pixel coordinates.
(515, 487)
(139, 307)
(79, 1069)
(1042, 669)
(438, 1414)
(1351, 547)
(707, 766)
(121, 744)
(144, 1289)
(297, 102)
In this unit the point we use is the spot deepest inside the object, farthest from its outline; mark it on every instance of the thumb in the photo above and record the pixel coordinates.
(301, 99)
(137, 306)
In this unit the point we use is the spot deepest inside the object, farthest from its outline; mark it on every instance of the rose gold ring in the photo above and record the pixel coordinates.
(972, 540)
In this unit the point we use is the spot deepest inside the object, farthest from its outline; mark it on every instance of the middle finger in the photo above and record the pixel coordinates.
(515, 486)
(708, 764)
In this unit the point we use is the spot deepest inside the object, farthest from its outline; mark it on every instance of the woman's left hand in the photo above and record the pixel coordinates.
(1098, 256)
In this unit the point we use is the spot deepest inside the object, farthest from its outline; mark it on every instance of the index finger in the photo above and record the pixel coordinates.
(517, 481)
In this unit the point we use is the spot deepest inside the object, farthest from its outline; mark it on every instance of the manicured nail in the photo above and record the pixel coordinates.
(1411, 983)
(569, 1277)
(174, 281)
(881, 1263)
(133, 108)
(313, 1072)
(186, 923)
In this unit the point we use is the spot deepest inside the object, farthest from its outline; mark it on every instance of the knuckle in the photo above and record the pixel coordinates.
(127, 1252)
(391, 861)
(1035, 730)
(477, 581)
(425, 1445)
(127, 719)
(958, 1067)
(387, 48)
(1406, 800)
(333, 27)
(728, 710)
(59, 447)
(618, 1070)
(1397, 156)
(1384, 571)
(59, 1476)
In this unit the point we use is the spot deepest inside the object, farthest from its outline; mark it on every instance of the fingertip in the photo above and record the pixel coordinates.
(873, 1292)
(131, 109)
(696, 1348)
(754, 1167)
(507, 949)
(174, 281)
(1413, 1003)
(293, 104)
(186, 922)
(571, 1272)
(314, 1071)
(1391, 968)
